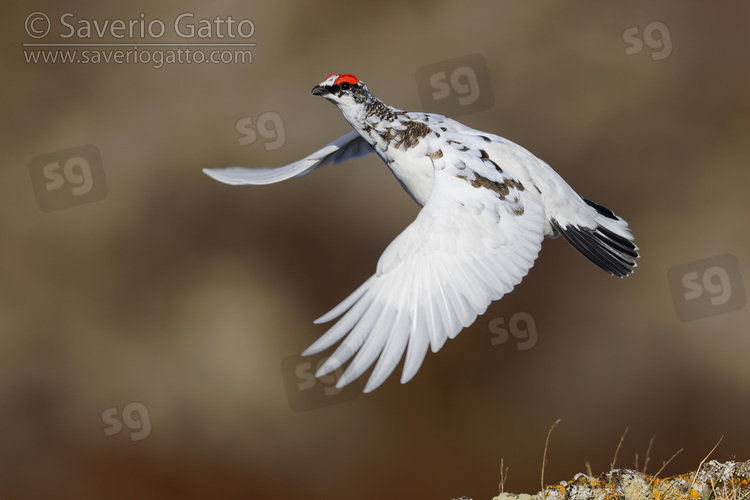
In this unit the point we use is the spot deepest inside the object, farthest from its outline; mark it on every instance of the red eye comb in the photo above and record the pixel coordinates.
(346, 78)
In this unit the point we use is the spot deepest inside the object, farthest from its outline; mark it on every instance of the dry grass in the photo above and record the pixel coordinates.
(712, 480)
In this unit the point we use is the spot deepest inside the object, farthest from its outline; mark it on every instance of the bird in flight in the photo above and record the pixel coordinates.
(487, 204)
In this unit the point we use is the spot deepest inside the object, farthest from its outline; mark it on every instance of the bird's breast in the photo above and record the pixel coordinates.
(408, 147)
(415, 173)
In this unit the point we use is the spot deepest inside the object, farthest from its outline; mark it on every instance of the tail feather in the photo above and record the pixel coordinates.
(609, 214)
(609, 245)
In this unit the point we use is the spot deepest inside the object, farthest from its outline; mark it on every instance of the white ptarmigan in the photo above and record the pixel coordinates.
(487, 204)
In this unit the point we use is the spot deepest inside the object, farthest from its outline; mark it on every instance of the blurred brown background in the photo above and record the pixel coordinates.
(185, 295)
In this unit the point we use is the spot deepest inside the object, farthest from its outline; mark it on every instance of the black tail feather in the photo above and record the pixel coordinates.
(609, 214)
(608, 250)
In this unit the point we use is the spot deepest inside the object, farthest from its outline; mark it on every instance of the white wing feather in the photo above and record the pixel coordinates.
(465, 249)
(348, 147)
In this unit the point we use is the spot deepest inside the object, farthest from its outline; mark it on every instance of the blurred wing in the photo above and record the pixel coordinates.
(350, 146)
(468, 246)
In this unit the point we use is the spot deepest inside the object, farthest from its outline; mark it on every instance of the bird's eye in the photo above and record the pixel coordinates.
(345, 85)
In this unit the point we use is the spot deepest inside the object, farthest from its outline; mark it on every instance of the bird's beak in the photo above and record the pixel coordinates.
(318, 90)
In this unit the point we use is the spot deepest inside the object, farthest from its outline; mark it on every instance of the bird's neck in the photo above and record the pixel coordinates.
(372, 118)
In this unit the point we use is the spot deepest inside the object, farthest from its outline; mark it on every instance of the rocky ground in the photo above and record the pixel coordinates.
(714, 480)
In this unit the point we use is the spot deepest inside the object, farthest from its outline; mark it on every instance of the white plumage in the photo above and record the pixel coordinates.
(487, 205)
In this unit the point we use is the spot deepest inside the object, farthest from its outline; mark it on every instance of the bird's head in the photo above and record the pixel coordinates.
(343, 90)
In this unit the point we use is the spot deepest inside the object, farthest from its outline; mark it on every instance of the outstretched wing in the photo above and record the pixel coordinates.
(350, 146)
(469, 245)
